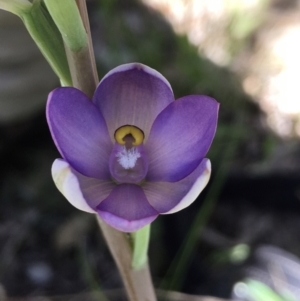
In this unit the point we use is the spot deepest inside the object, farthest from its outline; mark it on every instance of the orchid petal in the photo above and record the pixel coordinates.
(79, 132)
(180, 137)
(82, 192)
(132, 94)
(127, 208)
(168, 197)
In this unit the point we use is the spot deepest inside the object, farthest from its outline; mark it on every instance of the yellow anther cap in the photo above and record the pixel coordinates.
(134, 131)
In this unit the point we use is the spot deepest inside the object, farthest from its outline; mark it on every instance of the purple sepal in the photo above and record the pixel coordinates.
(180, 137)
(132, 94)
(79, 132)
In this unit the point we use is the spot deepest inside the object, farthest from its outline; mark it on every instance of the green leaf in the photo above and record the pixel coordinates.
(47, 37)
(68, 20)
(16, 7)
(140, 247)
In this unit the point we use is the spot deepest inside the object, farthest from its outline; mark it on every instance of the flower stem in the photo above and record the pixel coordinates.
(137, 282)
(81, 70)
(85, 19)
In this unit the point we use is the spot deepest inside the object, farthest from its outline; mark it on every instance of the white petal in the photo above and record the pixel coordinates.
(67, 183)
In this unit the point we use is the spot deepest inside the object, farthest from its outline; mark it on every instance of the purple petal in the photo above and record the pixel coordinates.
(82, 192)
(79, 132)
(167, 197)
(132, 94)
(127, 208)
(180, 137)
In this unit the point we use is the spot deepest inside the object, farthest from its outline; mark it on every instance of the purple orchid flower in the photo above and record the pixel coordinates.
(133, 152)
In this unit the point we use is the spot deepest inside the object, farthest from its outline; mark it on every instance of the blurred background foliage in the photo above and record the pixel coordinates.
(237, 228)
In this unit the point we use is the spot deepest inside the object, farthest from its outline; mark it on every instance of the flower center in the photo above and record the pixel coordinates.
(127, 157)
(128, 162)
(129, 133)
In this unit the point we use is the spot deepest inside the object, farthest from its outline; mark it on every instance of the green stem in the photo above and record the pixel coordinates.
(85, 19)
(140, 247)
(81, 71)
